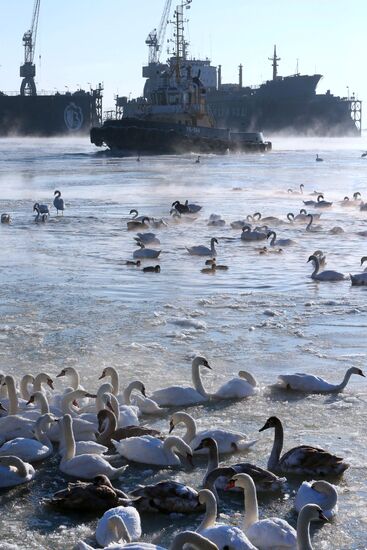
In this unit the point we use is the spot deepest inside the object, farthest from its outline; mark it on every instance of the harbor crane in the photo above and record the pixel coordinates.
(156, 36)
(28, 69)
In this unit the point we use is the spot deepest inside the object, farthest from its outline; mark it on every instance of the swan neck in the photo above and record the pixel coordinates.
(248, 377)
(41, 400)
(303, 531)
(213, 459)
(196, 380)
(316, 267)
(66, 402)
(190, 428)
(346, 378)
(24, 391)
(40, 432)
(110, 425)
(74, 378)
(69, 441)
(250, 505)
(117, 531)
(12, 395)
(20, 466)
(210, 515)
(114, 380)
(273, 462)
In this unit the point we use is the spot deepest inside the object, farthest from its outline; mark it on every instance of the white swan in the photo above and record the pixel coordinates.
(249, 235)
(312, 228)
(85, 466)
(179, 396)
(14, 425)
(203, 250)
(143, 252)
(224, 536)
(328, 275)
(322, 493)
(73, 377)
(268, 533)
(126, 415)
(13, 471)
(126, 517)
(145, 405)
(25, 392)
(310, 383)
(181, 541)
(227, 441)
(237, 388)
(310, 512)
(304, 459)
(31, 450)
(150, 450)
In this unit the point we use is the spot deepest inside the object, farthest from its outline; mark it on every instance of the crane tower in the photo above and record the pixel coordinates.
(28, 69)
(156, 36)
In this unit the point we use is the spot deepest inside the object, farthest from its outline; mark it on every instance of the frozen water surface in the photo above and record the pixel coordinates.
(68, 299)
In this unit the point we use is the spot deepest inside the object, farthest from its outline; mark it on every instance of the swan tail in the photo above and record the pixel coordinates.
(118, 472)
(111, 458)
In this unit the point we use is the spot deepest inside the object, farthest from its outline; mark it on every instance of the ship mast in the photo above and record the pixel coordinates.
(181, 45)
(275, 60)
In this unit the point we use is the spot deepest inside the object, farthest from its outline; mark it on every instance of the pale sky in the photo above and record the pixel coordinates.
(91, 41)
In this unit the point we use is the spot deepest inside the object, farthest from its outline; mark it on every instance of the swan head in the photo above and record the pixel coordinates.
(303, 211)
(213, 240)
(356, 370)
(313, 258)
(200, 361)
(363, 259)
(58, 193)
(206, 497)
(180, 447)
(290, 216)
(356, 195)
(243, 481)
(207, 443)
(272, 422)
(257, 216)
(320, 198)
(133, 211)
(312, 512)
(271, 233)
(36, 207)
(322, 486)
(44, 378)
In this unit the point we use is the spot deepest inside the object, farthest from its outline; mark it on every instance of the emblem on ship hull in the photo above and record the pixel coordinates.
(73, 117)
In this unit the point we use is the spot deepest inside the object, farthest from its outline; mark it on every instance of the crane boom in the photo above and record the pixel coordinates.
(28, 69)
(156, 37)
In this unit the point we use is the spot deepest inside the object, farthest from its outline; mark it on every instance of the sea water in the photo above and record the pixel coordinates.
(68, 299)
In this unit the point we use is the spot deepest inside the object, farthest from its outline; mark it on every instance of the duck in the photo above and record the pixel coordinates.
(84, 466)
(107, 429)
(14, 471)
(147, 238)
(59, 203)
(150, 450)
(227, 441)
(312, 228)
(180, 396)
(209, 270)
(132, 263)
(322, 493)
(5, 218)
(252, 235)
(167, 497)
(319, 159)
(152, 269)
(240, 387)
(217, 476)
(310, 383)
(336, 230)
(136, 223)
(197, 161)
(130, 518)
(328, 276)
(302, 460)
(96, 496)
(265, 534)
(279, 242)
(143, 252)
(202, 250)
(31, 450)
(224, 536)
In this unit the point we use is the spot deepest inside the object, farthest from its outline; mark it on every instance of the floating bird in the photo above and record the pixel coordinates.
(198, 160)
(59, 203)
(279, 242)
(181, 208)
(328, 275)
(322, 493)
(5, 218)
(203, 250)
(131, 262)
(310, 383)
(152, 269)
(363, 155)
(319, 159)
(42, 210)
(143, 252)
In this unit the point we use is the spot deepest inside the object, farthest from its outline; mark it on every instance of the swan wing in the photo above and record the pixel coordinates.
(178, 396)
(167, 497)
(228, 536)
(145, 449)
(199, 251)
(29, 450)
(305, 382)
(236, 388)
(307, 459)
(87, 466)
(330, 275)
(130, 517)
(227, 441)
(273, 533)
(306, 494)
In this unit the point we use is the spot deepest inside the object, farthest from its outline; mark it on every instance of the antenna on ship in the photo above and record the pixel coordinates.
(275, 60)
(28, 69)
(156, 36)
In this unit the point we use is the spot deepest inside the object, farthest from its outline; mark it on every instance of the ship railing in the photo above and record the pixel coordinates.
(46, 92)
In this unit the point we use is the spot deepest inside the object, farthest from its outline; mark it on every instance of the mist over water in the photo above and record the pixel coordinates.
(67, 299)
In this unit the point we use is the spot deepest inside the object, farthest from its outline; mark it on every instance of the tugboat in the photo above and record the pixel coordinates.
(175, 119)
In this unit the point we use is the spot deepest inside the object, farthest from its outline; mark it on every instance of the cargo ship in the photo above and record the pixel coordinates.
(29, 113)
(282, 105)
(174, 118)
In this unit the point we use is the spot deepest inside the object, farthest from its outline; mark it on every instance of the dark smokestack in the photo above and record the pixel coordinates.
(240, 75)
(219, 76)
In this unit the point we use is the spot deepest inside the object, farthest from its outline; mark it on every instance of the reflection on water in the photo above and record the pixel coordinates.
(68, 299)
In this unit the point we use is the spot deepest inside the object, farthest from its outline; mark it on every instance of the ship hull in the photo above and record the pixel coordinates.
(132, 136)
(47, 115)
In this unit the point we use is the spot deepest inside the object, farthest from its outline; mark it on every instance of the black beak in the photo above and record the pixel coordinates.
(171, 427)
